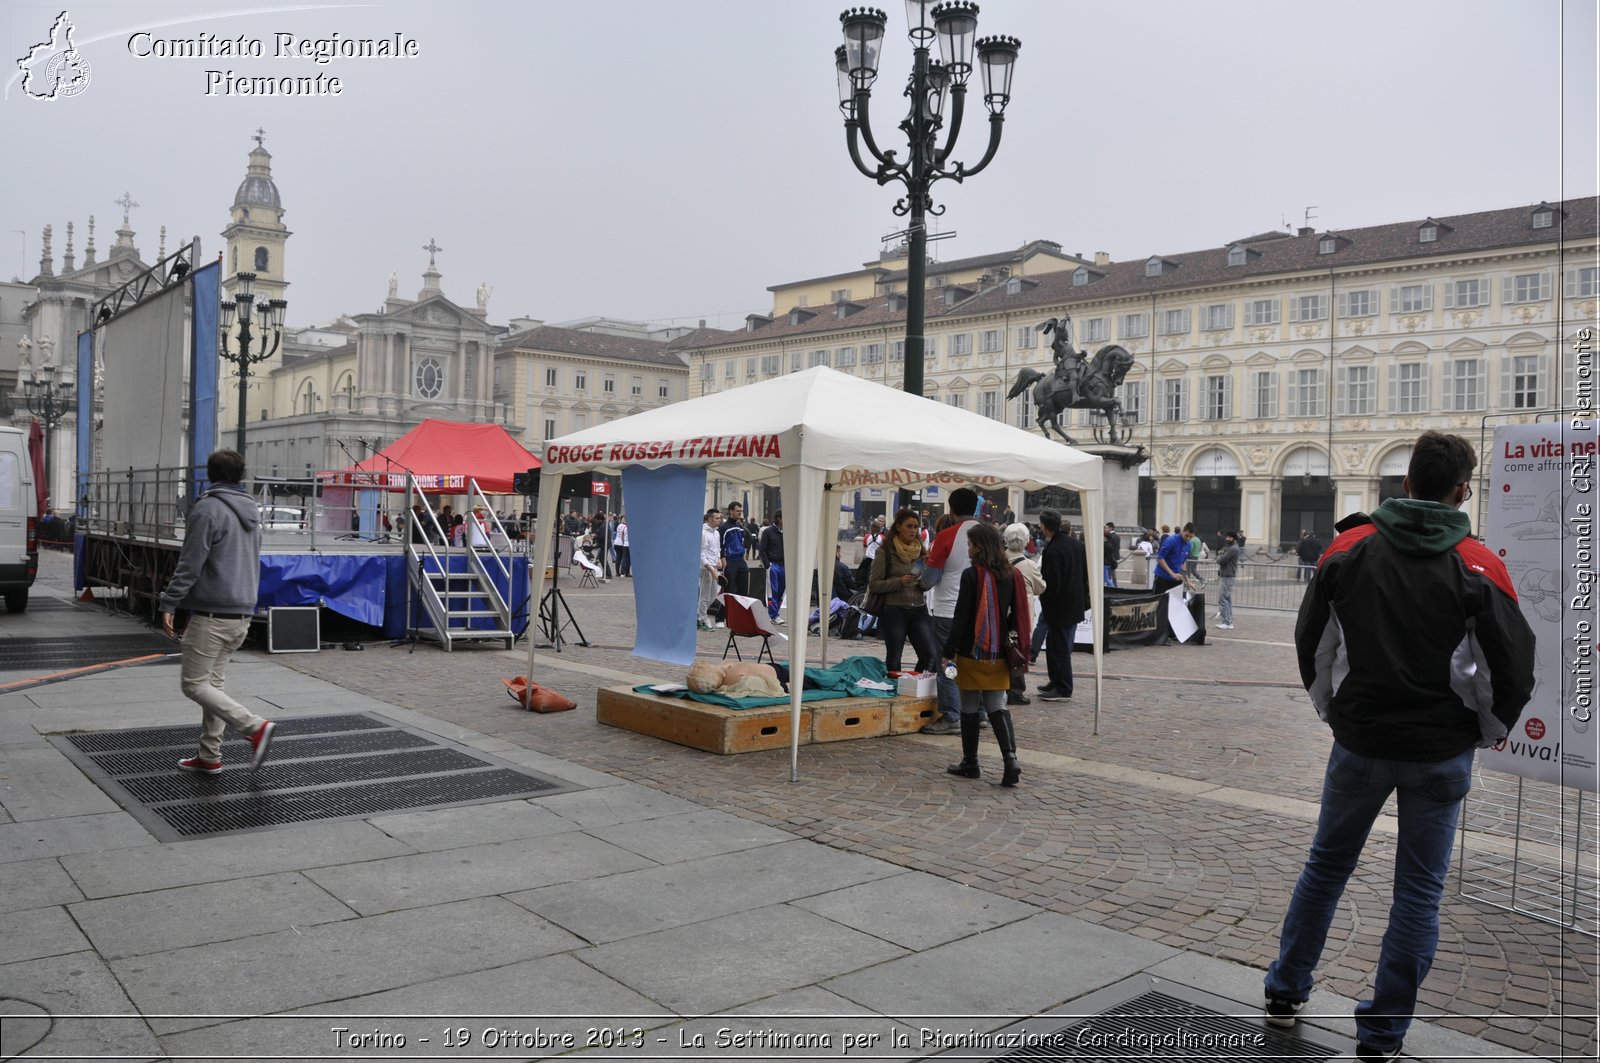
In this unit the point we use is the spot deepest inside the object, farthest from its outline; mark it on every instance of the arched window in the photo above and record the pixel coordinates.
(261, 260)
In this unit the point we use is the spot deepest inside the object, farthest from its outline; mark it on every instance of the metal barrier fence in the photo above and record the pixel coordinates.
(1263, 583)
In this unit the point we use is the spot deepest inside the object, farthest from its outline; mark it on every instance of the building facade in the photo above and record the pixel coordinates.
(1279, 379)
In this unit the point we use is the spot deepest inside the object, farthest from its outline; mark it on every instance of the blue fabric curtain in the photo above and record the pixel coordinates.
(666, 508)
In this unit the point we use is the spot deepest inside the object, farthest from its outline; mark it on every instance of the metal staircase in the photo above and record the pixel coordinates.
(455, 585)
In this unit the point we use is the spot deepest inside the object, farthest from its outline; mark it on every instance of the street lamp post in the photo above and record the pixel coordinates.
(48, 391)
(270, 319)
(954, 23)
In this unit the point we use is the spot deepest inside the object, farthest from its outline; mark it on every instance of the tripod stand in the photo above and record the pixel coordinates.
(554, 604)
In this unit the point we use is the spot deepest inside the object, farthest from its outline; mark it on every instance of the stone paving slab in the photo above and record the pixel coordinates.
(38, 932)
(155, 867)
(28, 884)
(455, 828)
(79, 984)
(475, 871)
(36, 782)
(199, 986)
(140, 923)
(519, 996)
(737, 958)
(1017, 969)
(693, 891)
(915, 910)
(76, 834)
(617, 804)
(672, 839)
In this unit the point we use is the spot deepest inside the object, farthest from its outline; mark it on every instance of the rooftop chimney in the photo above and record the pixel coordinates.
(1102, 258)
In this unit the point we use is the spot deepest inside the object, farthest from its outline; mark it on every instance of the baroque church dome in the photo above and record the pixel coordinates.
(257, 189)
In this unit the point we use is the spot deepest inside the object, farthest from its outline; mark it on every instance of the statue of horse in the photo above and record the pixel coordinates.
(1096, 390)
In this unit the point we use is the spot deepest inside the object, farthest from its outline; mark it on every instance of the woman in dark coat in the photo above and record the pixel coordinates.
(896, 574)
(991, 607)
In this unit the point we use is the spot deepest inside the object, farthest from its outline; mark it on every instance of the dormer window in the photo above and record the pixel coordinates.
(1237, 256)
(1080, 277)
(1543, 219)
(1427, 234)
(1327, 245)
(1152, 268)
(1014, 286)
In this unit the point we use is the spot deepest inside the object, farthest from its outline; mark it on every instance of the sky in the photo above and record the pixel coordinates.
(668, 162)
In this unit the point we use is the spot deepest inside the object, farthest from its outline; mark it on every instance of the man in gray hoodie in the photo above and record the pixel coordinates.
(217, 579)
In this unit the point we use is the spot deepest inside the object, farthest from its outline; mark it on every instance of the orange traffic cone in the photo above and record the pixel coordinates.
(87, 595)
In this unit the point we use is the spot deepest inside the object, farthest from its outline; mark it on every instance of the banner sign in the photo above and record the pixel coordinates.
(700, 447)
(600, 487)
(396, 481)
(1134, 618)
(1541, 523)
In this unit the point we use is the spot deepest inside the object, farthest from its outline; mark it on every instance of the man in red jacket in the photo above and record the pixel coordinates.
(1415, 651)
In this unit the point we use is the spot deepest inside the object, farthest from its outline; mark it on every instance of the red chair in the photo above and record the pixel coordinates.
(747, 618)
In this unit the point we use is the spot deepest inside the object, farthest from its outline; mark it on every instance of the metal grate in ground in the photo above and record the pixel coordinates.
(41, 656)
(1149, 1018)
(321, 767)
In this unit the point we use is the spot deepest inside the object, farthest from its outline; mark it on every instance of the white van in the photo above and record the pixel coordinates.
(19, 520)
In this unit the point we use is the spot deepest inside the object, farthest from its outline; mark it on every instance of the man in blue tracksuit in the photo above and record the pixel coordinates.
(734, 565)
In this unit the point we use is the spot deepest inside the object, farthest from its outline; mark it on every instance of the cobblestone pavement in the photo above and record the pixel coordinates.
(1184, 820)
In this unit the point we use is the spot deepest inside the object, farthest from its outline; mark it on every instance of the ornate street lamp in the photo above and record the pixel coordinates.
(271, 320)
(954, 24)
(48, 390)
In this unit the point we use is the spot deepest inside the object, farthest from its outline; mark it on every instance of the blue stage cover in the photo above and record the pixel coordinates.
(369, 588)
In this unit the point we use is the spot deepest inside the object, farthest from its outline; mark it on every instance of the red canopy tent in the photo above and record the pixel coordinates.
(443, 456)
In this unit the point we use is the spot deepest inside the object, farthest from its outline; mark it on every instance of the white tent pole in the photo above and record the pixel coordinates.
(827, 536)
(543, 547)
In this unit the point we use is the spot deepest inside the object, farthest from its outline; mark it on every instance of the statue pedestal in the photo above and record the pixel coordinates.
(1120, 466)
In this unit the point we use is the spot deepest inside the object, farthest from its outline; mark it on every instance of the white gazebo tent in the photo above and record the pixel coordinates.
(818, 434)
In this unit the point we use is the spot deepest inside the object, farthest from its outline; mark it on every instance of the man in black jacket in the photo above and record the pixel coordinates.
(1065, 568)
(1415, 651)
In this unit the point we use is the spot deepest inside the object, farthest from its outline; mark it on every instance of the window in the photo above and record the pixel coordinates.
(1134, 326)
(1219, 316)
(636, 385)
(897, 351)
(802, 300)
(1408, 388)
(1097, 330)
(549, 428)
(662, 390)
(872, 354)
(708, 372)
(930, 348)
(1543, 219)
(429, 378)
(771, 364)
(989, 341)
(1584, 281)
(1358, 391)
(1133, 405)
(797, 362)
(1218, 398)
(552, 378)
(1522, 390)
(750, 367)
(580, 379)
(819, 358)
(957, 399)
(1261, 312)
(1013, 285)
(961, 343)
(1027, 338)
(840, 295)
(989, 404)
(608, 384)
(1526, 288)
(580, 421)
(1465, 294)
(1427, 234)
(1358, 304)
(1411, 298)
(1308, 308)
(1263, 395)
(1327, 245)
(846, 356)
(1174, 400)
(1080, 277)
(261, 260)
(1306, 393)
(1174, 322)
(1238, 256)
(1464, 384)
(730, 372)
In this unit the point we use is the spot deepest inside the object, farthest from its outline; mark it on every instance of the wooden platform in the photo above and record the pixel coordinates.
(721, 730)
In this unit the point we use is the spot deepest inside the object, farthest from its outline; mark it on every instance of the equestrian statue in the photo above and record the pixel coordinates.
(1077, 383)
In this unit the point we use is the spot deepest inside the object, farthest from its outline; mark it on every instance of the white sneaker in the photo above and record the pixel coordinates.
(1224, 627)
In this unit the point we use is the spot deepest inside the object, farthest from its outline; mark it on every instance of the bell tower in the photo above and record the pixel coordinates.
(255, 236)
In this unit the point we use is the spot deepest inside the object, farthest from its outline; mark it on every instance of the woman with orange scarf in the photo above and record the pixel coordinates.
(992, 606)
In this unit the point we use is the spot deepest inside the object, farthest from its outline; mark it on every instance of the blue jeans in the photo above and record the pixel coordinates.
(949, 693)
(774, 587)
(895, 624)
(1225, 605)
(1111, 575)
(1353, 792)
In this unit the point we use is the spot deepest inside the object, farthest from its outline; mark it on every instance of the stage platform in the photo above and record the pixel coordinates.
(716, 729)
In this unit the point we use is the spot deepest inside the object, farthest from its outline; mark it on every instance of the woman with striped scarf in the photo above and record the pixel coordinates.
(993, 604)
